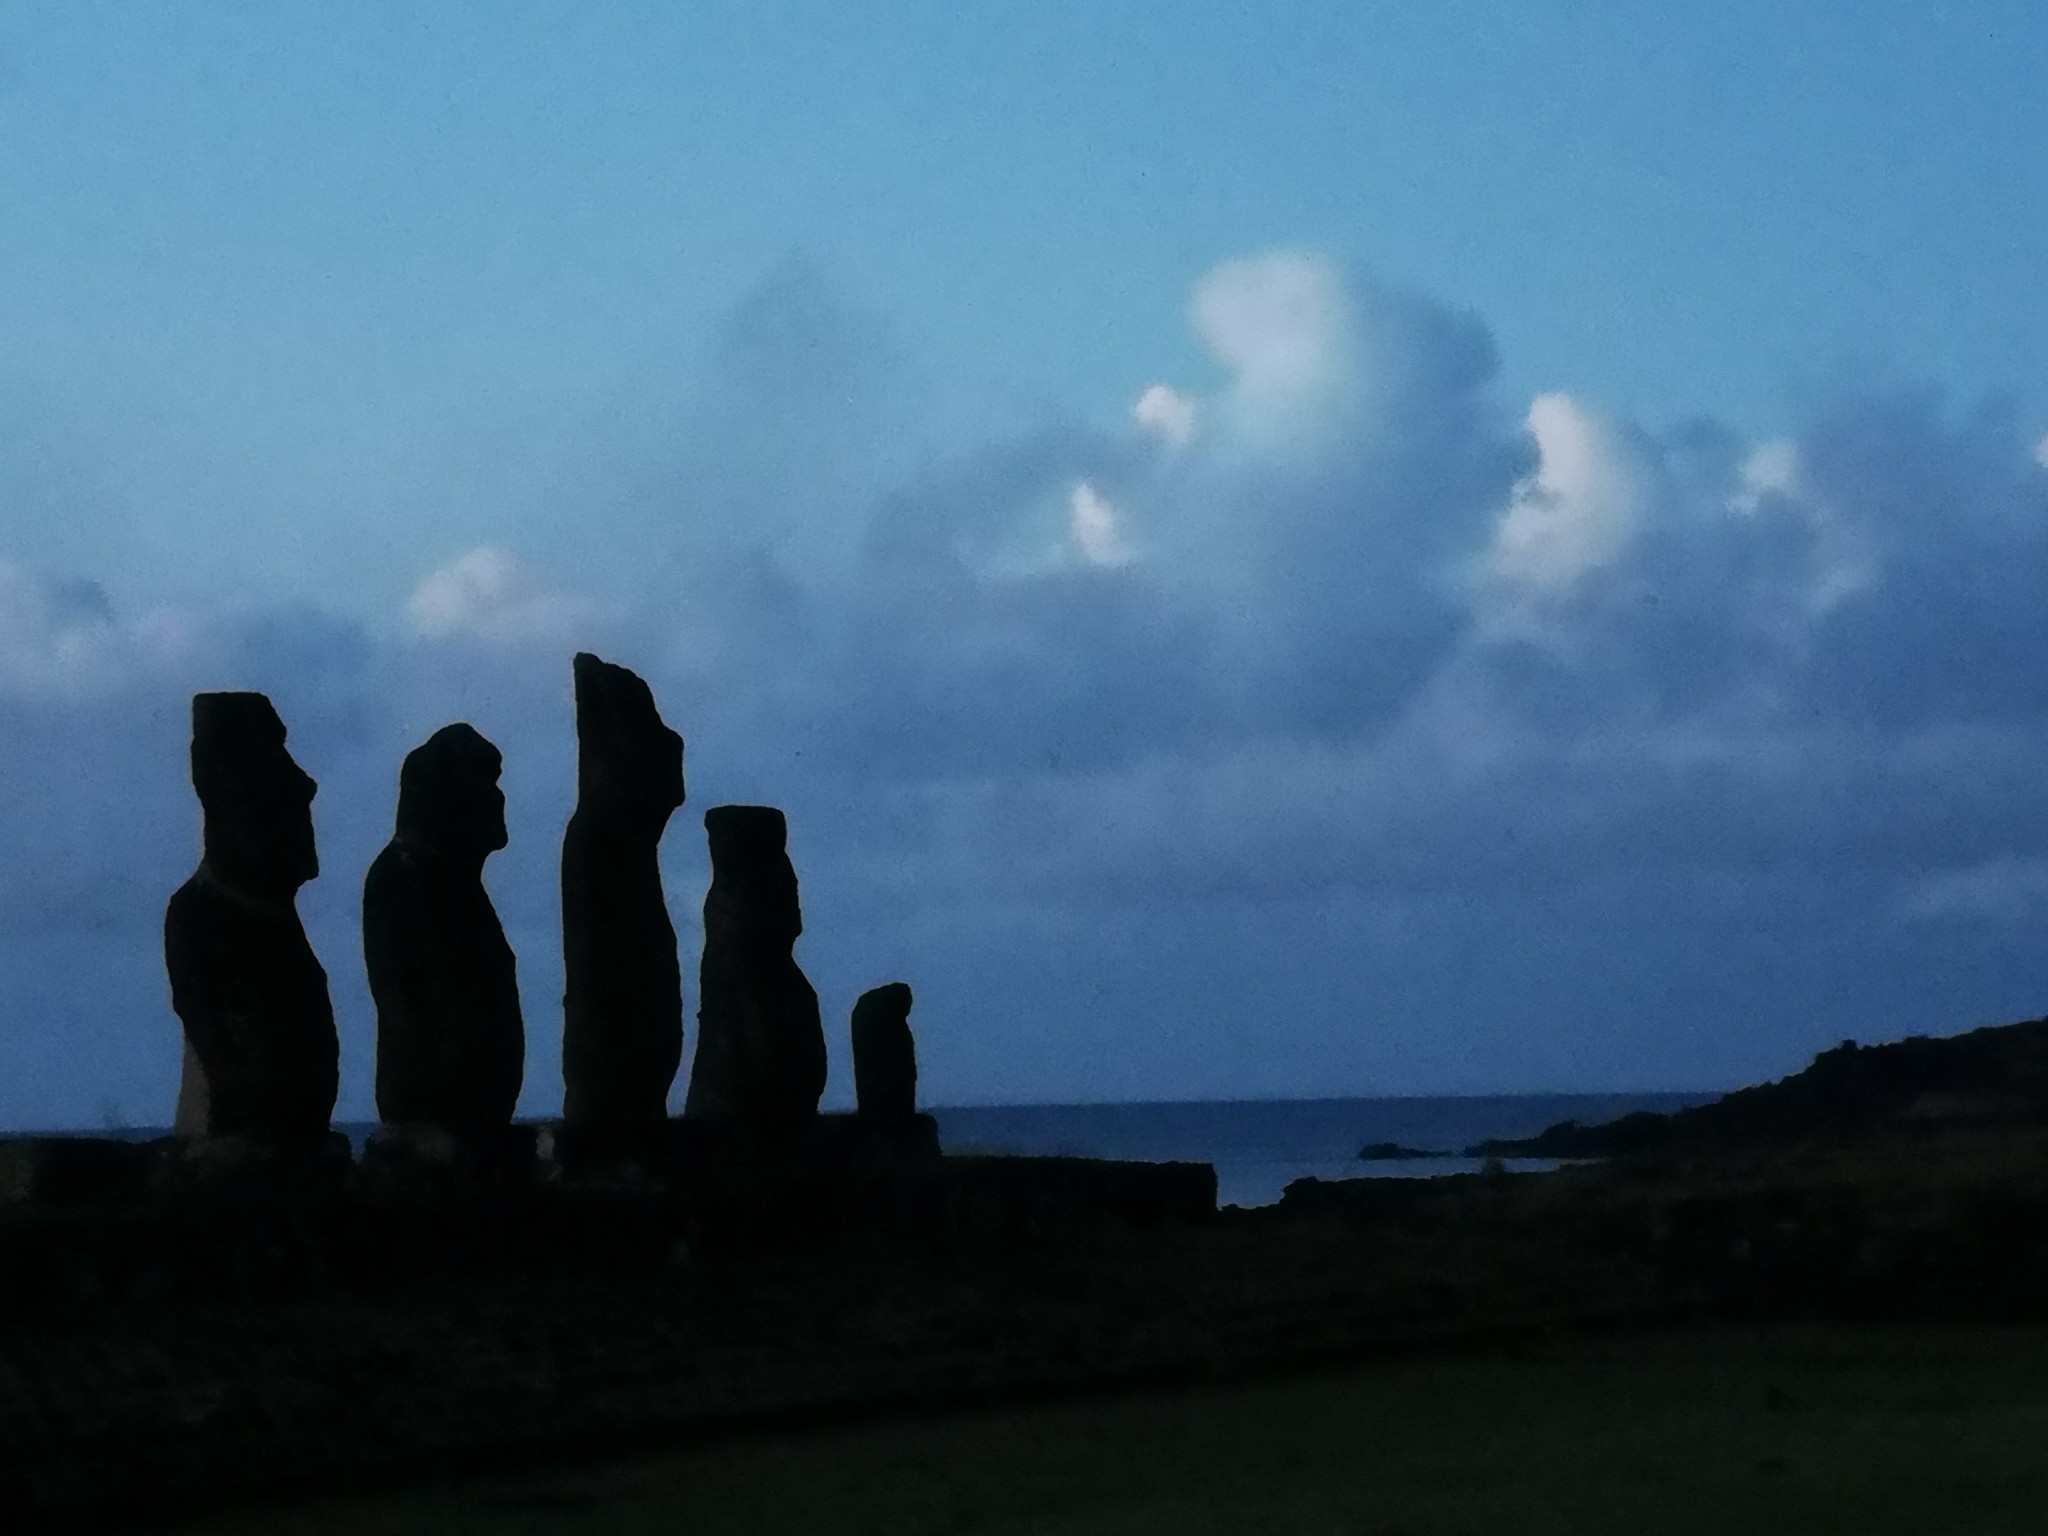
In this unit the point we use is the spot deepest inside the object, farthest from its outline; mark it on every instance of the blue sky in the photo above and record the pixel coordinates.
(1337, 548)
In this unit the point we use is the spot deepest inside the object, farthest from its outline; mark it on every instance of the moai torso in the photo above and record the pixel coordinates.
(884, 1054)
(451, 1046)
(622, 1003)
(760, 1046)
(261, 1057)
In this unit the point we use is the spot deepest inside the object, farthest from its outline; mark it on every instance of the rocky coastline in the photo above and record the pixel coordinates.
(1995, 1077)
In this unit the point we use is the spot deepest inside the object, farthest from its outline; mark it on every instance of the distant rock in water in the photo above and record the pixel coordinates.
(884, 1054)
(451, 1048)
(760, 1045)
(1988, 1077)
(1637, 1132)
(261, 1056)
(622, 1004)
(1392, 1152)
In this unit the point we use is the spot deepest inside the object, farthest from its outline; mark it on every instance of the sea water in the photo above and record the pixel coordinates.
(1259, 1146)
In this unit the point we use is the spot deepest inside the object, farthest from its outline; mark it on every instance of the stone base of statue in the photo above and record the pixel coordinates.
(894, 1138)
(819, 1177)
(826, 1146)
(257, 1167)
(431, 1160)
(629, 1158)
(807, 1178)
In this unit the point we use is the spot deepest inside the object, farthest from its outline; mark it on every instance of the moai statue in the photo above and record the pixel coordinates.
(450, 1045)
(622, 1004)
(760, 1047)
(261, 1056)
(884, 1055)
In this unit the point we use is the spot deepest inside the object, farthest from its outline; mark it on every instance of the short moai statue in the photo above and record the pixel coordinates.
(622, 1003)
(760, 1045)
(451, 1048)
(884, 1055)
(261, 1056)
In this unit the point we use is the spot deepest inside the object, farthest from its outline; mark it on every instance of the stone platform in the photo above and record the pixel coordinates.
(95, 1221)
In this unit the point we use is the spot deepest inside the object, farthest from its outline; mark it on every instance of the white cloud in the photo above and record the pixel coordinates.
(487, 595)
(1093, 522)
(1772, 469)
(1285, 327)
(2041, 451)
(1580, 508)
(1164, 410)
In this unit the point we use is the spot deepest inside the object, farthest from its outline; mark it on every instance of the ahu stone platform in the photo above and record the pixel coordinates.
(91, 1221)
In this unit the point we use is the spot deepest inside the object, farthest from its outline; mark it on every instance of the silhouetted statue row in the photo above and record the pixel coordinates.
(261, 1053)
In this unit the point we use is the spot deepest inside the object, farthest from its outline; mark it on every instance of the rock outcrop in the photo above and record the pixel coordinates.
(622, 1004)
(884, 1055)
(760, 1046)
(261, 1055)
(1992, 1077)
(451, 1048)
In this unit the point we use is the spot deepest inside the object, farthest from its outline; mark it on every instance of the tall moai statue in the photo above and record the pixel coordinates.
(451, 1048)
(261, 1056)
(760, 1046)
(622, 1003)
(884, 1055)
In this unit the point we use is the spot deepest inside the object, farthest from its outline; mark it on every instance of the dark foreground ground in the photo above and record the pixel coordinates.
(1734, 1429)
(1806, 1336)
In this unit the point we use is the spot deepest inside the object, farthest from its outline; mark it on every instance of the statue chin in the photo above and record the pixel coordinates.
(263, 874)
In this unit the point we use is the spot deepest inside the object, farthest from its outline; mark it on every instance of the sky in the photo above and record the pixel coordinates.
(1267, 551)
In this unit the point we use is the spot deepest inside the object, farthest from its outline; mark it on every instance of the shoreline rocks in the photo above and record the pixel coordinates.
(1394, 1152)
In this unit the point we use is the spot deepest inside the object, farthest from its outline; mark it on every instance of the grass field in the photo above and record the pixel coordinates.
(1930, 1432)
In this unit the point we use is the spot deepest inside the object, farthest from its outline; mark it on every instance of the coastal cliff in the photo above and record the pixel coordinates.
(1992, 1077)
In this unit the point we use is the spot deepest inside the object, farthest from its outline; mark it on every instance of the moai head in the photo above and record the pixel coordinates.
(448, 795)
(258, 802)
(628, 765)
(889, 1002)
(750, 861)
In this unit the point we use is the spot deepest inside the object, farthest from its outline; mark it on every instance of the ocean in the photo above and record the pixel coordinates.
(1259, 1146)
